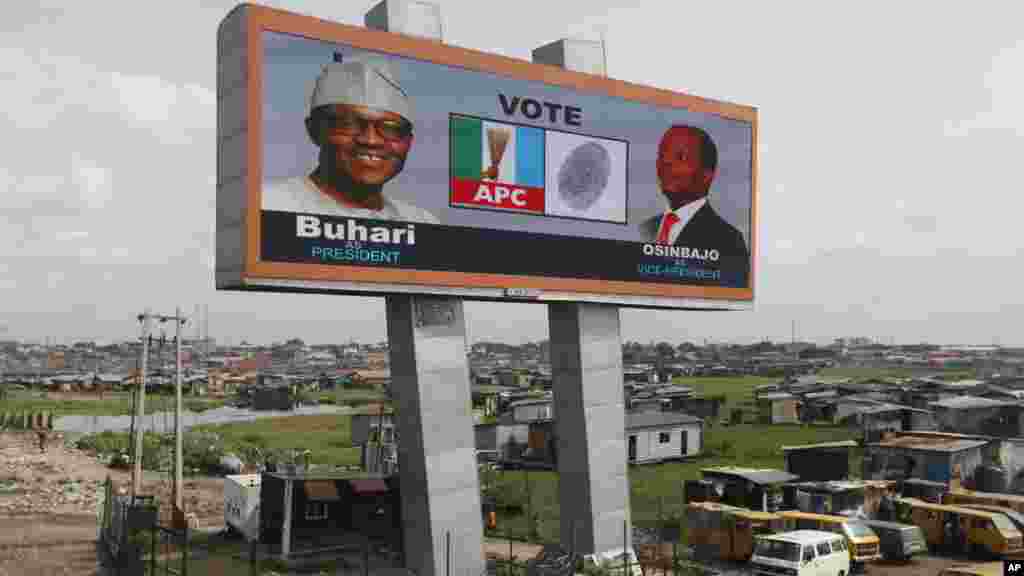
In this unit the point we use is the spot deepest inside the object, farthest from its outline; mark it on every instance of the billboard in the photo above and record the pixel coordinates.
(356, 161)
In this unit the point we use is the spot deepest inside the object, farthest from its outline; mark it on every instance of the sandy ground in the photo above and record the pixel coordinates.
(48, 505)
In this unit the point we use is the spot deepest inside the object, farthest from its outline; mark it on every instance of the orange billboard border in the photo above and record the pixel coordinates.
(259, 19)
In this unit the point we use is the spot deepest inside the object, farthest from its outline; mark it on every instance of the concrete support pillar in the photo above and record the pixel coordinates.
(586, 367)
(440, 489)
(593, 479)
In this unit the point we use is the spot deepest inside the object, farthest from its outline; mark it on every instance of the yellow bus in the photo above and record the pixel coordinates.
(980, 530)
(862, 542)
(727, 532)
(968, 497)
(974, 569)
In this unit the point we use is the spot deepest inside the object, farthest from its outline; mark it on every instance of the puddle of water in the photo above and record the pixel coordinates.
(164, 421)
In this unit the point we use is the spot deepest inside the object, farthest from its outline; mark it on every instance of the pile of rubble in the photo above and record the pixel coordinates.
(60, 480)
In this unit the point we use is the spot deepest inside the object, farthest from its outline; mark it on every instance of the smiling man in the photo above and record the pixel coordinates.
(686, 166)
(361, 120)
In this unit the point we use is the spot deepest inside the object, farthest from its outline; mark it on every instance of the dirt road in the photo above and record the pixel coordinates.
(48, 505)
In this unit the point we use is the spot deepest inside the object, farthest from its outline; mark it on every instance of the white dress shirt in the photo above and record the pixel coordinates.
(685, 214)
(300, 194)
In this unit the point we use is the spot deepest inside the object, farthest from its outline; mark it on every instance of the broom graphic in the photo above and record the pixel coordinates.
(497, 141)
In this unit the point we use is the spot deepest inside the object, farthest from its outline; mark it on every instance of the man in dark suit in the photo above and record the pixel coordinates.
(686, 166)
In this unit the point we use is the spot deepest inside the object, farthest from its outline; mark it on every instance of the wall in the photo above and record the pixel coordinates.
(1011, 455)
(486, 436)
(643, 444)
(362, 424)
(921, 421)
(968, 461)
(694, 439)
(964, 421)
(873, 425)
(935, 466)
(819, 464)
(532, 412)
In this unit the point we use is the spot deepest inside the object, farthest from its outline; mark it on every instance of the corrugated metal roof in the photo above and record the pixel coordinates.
(969, 402)
(775, 396)
(530, 402)
(931, 443)
(840, 444)
(757, 476)
(636, 420)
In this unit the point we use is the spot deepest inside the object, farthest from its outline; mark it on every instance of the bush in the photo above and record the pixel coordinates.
(104, 443)
(155, 448)
(256, 439)
(202, 451)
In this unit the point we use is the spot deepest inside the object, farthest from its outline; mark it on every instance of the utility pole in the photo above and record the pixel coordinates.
(178, 459)
(178, 320)
(139, 408)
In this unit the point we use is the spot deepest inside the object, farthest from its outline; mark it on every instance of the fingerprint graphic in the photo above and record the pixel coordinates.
(584, 176)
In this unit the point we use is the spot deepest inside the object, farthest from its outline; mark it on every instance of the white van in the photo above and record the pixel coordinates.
(801, 553)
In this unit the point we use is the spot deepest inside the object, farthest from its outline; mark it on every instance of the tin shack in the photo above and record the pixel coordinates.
(753, 488)
(930, 457)
(819, 462)
(303, 512)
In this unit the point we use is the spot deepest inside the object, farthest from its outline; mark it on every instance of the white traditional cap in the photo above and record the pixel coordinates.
(361, 80)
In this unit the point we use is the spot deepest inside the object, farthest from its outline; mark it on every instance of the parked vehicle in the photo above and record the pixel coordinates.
(1015, 517)
(898, 541)
(974, 569)
(863, 543)
(801, 553)
(964, 529)
(727, 532)
(970, 498)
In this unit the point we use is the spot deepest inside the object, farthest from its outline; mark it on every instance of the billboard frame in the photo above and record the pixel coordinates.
(238, 266)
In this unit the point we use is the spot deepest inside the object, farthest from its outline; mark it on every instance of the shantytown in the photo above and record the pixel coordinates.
(314, 227)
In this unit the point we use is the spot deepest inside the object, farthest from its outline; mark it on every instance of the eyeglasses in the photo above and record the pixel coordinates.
(352, 125)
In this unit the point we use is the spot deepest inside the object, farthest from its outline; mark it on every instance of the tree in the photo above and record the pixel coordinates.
(665, 350)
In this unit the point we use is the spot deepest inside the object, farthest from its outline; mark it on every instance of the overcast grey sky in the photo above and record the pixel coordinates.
(890, 146)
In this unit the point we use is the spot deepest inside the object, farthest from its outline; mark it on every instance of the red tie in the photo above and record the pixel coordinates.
(667, 223)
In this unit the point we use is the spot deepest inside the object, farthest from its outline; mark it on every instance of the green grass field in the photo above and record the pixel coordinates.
(736, 389)
(327, 437)
(657, 489)
(112, 404)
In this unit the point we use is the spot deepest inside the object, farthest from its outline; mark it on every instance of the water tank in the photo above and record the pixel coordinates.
(990, 479)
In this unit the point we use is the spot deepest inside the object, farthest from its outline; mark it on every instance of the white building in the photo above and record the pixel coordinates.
(657, 436)
(533, 410)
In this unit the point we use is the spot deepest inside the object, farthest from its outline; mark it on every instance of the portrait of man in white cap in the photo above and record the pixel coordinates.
(360, 118)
